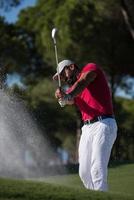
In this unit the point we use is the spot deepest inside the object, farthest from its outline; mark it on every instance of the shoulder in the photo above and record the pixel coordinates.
(90, 67)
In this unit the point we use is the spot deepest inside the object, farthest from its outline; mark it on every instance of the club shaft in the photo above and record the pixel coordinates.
(56, 55)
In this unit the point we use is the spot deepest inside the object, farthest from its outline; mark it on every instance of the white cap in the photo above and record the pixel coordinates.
(62, 65)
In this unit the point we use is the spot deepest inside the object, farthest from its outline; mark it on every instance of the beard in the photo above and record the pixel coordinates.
(72, 79)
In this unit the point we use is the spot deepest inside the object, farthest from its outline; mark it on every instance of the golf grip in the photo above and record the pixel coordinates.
(61, 101)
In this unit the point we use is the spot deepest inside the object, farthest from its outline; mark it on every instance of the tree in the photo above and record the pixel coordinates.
(124, 146)
(12, 49)
(93, 30)
(127, 8)
(104, 37)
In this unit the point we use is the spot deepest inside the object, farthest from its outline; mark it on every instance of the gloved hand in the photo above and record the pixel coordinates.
(65, 100)
(62, 102)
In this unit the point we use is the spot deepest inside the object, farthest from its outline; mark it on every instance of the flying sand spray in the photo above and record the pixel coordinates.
(25, 152)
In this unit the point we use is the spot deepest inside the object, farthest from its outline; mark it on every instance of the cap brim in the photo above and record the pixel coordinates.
(55, 77)
(61, 66)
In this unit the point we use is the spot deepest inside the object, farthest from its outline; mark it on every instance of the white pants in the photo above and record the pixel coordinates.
(94, 152)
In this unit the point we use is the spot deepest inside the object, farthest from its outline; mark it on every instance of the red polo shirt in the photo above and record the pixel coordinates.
(95, 99)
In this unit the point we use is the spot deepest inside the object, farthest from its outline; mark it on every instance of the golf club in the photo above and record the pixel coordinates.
(54, 30)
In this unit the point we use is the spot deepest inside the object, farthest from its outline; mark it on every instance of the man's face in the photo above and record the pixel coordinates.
(67, 73)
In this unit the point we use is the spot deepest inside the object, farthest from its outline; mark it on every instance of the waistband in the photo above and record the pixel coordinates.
(96, 119)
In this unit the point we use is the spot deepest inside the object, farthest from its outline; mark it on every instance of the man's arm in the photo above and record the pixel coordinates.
(85, 79)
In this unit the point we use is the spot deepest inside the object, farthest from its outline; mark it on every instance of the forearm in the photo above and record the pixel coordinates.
(78, 88)
(82, 83)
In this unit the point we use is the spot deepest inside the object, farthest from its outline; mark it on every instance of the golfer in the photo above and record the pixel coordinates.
(88, 89)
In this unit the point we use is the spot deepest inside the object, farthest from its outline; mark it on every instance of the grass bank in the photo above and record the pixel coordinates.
(69, 187)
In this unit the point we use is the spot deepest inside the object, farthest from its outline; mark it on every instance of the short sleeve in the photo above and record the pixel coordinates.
(90, 67)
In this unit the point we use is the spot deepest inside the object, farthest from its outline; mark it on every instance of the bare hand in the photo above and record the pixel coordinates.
(59, 94)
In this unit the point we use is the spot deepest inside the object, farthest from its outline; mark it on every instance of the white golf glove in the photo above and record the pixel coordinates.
(63, 101)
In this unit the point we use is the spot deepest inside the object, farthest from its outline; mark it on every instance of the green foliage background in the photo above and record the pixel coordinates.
(88, 31)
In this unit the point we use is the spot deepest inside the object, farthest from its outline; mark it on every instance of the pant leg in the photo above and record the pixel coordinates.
(103, 139)
(85, 152)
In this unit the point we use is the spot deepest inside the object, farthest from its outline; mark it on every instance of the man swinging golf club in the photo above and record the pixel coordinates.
(89, 91)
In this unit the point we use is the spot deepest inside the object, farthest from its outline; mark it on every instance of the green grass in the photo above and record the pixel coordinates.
(69, 187)
(121, 179)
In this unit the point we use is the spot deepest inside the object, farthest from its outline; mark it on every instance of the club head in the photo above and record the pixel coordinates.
(54, 30)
